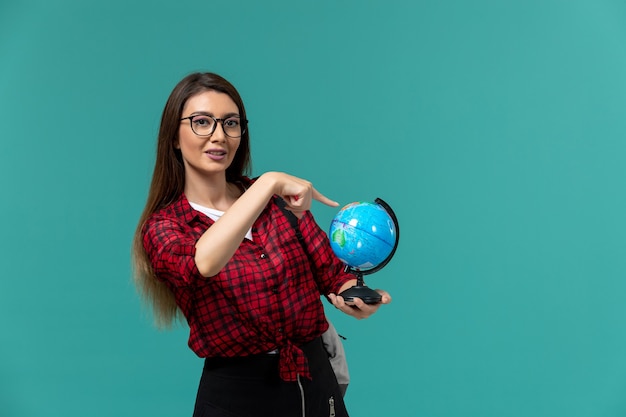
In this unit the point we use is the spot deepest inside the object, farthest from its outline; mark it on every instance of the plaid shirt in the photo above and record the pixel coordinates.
(265, 298)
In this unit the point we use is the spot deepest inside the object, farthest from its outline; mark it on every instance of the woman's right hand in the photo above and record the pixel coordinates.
(218, 244)
(297, 192)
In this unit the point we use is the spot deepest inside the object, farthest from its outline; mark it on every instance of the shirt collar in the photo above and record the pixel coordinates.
(182, 209)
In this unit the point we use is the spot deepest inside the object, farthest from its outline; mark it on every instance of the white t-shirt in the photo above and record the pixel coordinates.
(214, 215)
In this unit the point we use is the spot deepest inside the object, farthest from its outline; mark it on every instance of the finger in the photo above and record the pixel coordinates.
(342, 305)
(298, 212)
(386, 298)
(334, 300)
(338, 301)
(366, 309)
(358, 303)
(359, 309)
(323, 199)
(296, 200)
(332, 297)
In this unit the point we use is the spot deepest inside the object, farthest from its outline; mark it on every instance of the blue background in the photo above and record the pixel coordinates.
(495, 129)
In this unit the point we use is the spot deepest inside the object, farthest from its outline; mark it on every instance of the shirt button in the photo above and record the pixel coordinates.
(275, 289)
(280, 330)
(263, 256)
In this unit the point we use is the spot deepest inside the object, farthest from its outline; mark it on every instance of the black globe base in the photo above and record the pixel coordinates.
(368, 295)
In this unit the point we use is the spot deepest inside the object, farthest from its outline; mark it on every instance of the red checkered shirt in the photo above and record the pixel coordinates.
(265, 298)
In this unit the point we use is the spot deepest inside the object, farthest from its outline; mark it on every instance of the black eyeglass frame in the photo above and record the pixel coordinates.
(243, 122)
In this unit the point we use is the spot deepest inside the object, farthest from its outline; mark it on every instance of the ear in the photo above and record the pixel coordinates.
(176, 144)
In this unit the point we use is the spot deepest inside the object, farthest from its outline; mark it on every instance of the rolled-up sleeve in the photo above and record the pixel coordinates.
(171, 251)
(329, 270)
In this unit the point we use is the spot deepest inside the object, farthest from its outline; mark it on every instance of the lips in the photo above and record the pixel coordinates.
(216, 154)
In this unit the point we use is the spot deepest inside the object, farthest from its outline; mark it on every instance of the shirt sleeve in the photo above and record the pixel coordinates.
(171, 252)
(329, 270)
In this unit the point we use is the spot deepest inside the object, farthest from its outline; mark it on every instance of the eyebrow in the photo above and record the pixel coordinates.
(208, 113)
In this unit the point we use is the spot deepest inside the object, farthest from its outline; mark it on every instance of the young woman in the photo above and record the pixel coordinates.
(215, 246)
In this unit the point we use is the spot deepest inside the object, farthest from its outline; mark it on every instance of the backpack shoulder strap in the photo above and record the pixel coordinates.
(293, 220)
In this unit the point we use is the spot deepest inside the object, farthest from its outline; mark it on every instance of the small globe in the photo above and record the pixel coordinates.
(362, 235)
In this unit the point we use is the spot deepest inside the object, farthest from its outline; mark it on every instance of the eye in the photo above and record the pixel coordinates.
(202, 121)
(231, 122)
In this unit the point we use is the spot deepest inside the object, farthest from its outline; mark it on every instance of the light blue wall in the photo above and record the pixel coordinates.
(495, 129)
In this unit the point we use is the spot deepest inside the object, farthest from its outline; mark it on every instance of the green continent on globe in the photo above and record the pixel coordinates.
(339, 238)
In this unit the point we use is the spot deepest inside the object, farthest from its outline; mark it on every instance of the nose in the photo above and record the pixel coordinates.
(218, 134)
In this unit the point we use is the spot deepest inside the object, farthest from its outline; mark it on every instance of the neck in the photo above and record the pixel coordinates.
(214, 193)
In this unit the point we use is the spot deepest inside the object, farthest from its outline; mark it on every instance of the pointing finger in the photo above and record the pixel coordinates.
(323, 199)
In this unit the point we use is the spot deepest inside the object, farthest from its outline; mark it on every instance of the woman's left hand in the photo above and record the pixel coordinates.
(357, 308)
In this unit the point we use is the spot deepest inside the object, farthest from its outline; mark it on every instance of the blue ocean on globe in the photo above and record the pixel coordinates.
(362, 235)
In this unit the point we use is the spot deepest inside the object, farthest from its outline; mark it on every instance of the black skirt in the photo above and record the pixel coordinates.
(250, 387)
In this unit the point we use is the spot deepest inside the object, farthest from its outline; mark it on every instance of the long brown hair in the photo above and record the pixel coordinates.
(168, 182)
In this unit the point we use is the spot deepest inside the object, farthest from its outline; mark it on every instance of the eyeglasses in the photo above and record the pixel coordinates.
(204, 125)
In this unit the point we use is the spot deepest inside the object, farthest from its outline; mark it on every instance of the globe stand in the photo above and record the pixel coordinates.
(360, 290)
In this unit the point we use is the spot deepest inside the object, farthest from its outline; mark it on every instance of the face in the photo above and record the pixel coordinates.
(207, 156)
